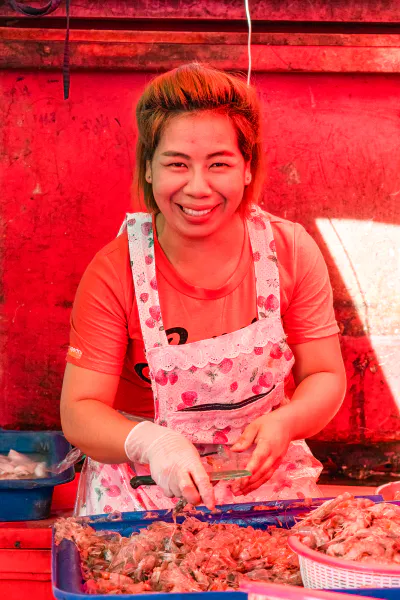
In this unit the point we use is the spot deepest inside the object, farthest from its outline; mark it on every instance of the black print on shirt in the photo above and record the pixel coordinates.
(170, 333)
(139, 368)
(181, 331)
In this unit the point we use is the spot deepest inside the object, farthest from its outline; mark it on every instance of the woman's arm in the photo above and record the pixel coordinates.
(321, 384)
(87, 417)
(89, 422)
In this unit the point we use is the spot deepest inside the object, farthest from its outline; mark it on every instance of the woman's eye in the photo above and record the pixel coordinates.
(219, 164)
(177, 165)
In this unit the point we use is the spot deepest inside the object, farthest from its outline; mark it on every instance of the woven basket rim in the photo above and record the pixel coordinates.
(338, 563)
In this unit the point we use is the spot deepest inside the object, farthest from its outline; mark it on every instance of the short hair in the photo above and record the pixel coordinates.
(194, 88)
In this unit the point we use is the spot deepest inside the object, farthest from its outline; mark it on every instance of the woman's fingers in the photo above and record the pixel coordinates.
(258, 461)
(262, 477)
(259, 482)
(204, 486)
(259, 457)
(263, 474)
(246, 439)
(237, 486)
(188, 490)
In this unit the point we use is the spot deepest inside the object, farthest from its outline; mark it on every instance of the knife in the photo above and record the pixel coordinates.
(215, 476)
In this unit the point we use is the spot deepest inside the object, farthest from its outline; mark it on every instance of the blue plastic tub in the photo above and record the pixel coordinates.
(30, 499)
(66, 572)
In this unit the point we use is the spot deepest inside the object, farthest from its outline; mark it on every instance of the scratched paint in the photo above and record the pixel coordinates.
(331, 151)
(374, 11)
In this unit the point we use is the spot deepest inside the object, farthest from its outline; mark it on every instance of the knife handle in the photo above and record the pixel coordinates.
(141, 480)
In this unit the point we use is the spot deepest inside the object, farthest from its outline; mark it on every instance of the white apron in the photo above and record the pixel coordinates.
(208, 390)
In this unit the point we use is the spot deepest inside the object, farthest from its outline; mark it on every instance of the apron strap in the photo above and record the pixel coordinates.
(265, 264)
(141, 250)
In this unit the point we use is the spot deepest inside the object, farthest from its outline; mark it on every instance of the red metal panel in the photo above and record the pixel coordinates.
(22, 538)
(378, 11)
(141, 51)
(22, 587)
(58, 208)
(25, 561)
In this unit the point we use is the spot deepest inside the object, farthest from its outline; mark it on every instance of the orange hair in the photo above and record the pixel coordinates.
(194, 88)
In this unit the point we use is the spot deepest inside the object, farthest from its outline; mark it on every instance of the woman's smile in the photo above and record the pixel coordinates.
(198, 214)
(198, 175)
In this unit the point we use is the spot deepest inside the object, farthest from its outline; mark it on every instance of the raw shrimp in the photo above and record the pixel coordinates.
(19, 466)
(192, 557)
(354, 529)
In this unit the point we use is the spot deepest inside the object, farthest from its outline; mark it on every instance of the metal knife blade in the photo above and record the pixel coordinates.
(140, 480)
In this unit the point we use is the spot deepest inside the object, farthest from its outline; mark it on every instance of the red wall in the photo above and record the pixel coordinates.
(332, 152)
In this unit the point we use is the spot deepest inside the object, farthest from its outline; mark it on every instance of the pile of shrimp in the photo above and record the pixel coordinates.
(354, 529)
(192, 557)
(198, 556)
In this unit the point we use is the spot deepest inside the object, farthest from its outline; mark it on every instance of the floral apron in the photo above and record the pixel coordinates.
(208, 390)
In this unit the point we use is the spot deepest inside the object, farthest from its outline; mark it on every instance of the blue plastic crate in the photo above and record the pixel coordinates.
(30, 499)
(66, 572)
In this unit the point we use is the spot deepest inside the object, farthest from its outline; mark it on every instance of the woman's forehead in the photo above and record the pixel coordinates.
(205, 131)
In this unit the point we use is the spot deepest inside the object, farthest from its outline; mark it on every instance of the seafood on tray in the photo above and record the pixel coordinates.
(354, 529)
(198, 556)
(192, 557)
(19, 466)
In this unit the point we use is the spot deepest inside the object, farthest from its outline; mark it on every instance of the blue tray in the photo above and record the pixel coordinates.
(30, 499)
(66, 572)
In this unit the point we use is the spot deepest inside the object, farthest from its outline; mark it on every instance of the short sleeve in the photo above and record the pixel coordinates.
(99, 322)
(309, 314)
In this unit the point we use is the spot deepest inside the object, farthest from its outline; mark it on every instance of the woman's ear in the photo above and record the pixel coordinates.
(247, 174)
(148, 171)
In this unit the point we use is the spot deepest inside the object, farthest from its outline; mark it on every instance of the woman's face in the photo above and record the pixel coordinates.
(198, 174)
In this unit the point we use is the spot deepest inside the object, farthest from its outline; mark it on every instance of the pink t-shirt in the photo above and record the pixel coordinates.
(105, 328)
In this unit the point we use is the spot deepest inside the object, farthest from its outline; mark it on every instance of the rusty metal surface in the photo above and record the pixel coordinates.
(141, 51)
(278, 10)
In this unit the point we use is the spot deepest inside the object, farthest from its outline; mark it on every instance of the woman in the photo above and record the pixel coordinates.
(181, 326)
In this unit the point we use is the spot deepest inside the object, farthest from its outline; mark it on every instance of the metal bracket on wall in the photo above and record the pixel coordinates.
(50, 7)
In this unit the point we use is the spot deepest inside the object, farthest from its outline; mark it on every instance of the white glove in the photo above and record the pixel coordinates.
(175, 464)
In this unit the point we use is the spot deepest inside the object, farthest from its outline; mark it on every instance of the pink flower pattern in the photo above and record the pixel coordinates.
(230, 380)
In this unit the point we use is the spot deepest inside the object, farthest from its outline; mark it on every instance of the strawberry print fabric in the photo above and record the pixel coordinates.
(211, 389)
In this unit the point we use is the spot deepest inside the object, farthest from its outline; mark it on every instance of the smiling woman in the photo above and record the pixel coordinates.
(246, 292)
(197, 90)
(199, 196)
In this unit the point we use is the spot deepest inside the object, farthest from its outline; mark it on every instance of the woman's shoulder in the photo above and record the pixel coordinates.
(113, 256)
(117, 248)
(110, 271)
(287, 234)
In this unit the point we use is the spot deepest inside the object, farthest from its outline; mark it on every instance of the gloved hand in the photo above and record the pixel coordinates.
(175, 464)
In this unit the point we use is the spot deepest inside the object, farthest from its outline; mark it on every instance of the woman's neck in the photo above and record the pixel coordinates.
(204, 262)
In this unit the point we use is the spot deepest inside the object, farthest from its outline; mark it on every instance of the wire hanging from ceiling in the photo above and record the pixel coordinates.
(248, 16)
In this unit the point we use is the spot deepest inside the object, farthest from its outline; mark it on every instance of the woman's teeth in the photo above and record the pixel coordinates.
(196, 213)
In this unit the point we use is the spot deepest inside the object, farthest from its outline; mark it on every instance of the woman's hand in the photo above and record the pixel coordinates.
(272, 437)
(175, 464)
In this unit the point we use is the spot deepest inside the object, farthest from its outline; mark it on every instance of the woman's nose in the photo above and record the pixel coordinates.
(197, 184)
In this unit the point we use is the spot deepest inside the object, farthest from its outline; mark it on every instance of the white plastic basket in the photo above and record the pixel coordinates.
(320, 571)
